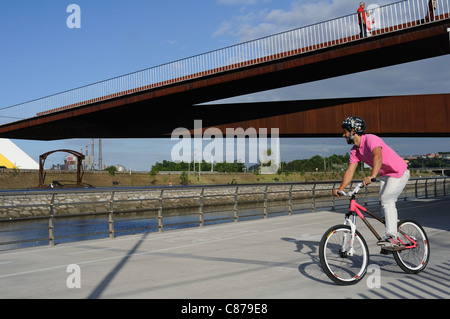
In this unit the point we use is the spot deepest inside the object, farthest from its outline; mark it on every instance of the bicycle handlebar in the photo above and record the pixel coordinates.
(356, 189)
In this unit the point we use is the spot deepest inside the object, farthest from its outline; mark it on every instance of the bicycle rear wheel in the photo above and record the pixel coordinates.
(337, 264)
(412, 260)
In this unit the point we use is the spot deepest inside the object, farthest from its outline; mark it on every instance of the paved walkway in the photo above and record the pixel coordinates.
(275, 258)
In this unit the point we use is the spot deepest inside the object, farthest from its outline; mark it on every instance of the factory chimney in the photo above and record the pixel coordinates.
(93, 154)
(100, 154)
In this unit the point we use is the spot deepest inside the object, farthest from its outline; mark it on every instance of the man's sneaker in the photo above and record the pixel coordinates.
(388, 242)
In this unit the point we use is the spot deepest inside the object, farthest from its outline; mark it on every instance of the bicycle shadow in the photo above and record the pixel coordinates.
(313, 270)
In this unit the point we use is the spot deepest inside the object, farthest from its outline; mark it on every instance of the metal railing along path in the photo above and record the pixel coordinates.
(30, 218)
(390, 18)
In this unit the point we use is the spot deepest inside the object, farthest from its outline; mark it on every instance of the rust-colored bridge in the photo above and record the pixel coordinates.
(154, 108)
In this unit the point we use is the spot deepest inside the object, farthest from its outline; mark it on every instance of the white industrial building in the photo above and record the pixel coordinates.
(12, 157)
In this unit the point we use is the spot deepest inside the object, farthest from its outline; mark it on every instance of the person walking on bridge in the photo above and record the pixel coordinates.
(362, 20)
(431, 8)
(393, 171)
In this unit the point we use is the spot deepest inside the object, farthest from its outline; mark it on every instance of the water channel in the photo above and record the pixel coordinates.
(33, 232)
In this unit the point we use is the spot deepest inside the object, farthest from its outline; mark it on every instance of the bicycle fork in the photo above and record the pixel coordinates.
(347, 248)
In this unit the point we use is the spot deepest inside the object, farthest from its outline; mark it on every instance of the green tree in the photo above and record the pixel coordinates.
(184, 177)
(111, 170)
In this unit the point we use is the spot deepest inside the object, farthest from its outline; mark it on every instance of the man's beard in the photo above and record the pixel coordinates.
(350, 140)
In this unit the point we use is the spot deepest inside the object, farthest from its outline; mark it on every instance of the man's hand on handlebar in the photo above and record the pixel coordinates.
(368, 180)
(336, 192)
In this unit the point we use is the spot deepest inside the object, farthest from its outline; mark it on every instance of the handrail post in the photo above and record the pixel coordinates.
(365, 196)
(415, 189)
(265, 201)
(313, 203)
(435, 187)
(236, 214)
(201, 221)
(333, 201)
(290, 199)
(405, 191)
(160, 211)
(445, 193)
(111, 216)
(51, 224)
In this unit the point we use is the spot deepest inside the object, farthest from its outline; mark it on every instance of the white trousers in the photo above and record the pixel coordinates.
(390, 190)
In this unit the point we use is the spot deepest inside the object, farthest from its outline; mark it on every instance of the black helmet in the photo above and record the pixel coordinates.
(355, 123)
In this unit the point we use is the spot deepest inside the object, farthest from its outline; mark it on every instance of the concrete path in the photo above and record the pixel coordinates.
(275, 258)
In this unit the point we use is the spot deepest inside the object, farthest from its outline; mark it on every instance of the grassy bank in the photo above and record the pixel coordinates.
(15, 179)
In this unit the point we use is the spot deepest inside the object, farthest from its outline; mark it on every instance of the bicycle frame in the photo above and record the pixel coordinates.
(357, 210)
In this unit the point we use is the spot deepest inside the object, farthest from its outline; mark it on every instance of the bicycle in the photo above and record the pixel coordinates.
(344, 254)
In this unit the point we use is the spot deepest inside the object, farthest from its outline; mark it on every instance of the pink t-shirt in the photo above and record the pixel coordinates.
(392, 165)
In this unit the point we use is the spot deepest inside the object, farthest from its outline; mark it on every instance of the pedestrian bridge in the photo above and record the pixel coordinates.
(114, 107)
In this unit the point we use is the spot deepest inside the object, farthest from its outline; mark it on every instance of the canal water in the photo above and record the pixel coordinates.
(22, 233)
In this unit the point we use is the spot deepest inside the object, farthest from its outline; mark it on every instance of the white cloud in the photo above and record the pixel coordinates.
(270, 17)
(224, 28)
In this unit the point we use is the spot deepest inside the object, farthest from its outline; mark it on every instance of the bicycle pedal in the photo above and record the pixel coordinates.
(385, 252)
(390, 249)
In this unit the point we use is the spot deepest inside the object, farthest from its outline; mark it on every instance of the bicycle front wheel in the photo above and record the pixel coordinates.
(340, 265)
(412, 260)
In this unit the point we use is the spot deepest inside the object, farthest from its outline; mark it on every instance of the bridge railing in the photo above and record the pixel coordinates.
(389, 18)
(52, 217)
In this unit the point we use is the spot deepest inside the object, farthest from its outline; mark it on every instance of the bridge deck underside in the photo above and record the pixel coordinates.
(417, 115)
(157, 112)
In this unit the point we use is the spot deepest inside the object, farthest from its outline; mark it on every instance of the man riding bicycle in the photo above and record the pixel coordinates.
(393, 171)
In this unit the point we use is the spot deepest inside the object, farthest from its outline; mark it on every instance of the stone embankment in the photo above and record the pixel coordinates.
(64, 202)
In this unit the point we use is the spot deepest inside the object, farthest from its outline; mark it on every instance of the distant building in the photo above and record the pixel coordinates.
(70, 164)
(12, 157)
(120, 168)
(89, 163)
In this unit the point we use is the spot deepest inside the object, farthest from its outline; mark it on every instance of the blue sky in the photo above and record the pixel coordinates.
(41, 56)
